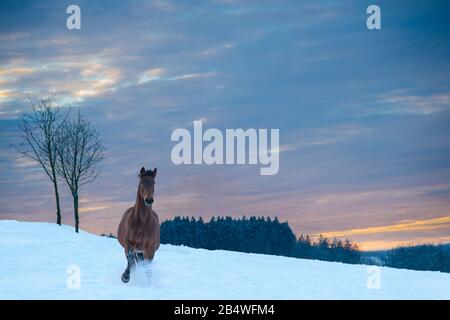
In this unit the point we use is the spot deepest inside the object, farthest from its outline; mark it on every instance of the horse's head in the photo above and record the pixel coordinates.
(147, 185)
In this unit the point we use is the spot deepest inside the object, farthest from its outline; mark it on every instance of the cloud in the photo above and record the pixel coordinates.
(217, 49)
(389, 244)
(323, 136)
(157, 74)
(14, 36)
(192, 76)
(5, 94)
(405, 102)
(406, 226)
(12, 73)
(378, 193)
(151, 75)
(92, 209)
(71, 79)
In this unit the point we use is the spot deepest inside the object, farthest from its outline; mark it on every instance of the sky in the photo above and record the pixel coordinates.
(364, 115)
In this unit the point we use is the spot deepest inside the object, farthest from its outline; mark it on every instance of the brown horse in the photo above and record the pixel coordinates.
(139, 228)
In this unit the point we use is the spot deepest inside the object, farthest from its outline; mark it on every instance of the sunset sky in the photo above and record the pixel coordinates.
(364, 116)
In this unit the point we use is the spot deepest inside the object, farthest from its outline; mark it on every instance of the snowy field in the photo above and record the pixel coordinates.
(40, 261)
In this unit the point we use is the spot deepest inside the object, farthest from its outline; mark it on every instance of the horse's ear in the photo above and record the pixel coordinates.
(154, 172)
(142, 172)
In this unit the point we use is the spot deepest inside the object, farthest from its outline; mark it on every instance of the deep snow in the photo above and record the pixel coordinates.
(35, 259)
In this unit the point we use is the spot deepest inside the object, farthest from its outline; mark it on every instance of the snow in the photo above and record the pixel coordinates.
(35, 259)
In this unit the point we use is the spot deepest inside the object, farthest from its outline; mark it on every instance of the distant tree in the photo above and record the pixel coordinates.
(420, 257)
(39, 131)
(79, 153)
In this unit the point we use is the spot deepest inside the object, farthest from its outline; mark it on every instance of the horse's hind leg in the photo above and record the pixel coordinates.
(130, 263)
(139, 256)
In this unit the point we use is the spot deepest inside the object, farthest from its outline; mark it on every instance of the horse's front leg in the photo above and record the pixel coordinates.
(130, 262)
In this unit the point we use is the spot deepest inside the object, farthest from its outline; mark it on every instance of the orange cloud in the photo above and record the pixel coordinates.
(93, 208)
(387, 244)
(15, 71)
(417, 225)
(4, 94)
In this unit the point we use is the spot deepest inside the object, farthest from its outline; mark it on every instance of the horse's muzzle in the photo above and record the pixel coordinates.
(148, 201)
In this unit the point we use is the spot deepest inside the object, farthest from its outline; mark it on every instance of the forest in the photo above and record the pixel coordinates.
(255, 235)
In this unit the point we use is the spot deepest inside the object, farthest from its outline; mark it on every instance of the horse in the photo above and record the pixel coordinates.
(139, 231)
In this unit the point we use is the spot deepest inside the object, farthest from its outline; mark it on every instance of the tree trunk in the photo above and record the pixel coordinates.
(58, 208)
(75, 210)
(55, 186)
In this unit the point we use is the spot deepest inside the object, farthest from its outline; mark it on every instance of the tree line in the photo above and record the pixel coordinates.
(421, 257)
(328, 250)
(63, 144)
(255, 235)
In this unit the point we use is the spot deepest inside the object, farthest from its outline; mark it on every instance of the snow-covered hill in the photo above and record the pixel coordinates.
(39, 260)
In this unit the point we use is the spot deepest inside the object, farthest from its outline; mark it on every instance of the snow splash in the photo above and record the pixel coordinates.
(143, 274)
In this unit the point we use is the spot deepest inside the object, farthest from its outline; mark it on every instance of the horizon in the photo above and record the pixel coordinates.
(363, 115)
(312, 237)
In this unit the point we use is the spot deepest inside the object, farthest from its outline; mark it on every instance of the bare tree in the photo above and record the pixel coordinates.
(79, 151)
(39, 131)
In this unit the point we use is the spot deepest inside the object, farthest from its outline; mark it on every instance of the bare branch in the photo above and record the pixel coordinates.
(79, 152)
